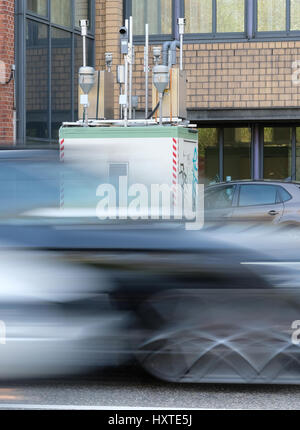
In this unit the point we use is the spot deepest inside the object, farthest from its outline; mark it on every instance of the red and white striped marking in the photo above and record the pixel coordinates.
(62, 150)
(175, 171)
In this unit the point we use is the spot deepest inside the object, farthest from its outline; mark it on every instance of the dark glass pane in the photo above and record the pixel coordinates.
(157, 13)
(285, 196)
(61, 12)
(37, 78)
(78, 61)
(254, 195)
(82, 10)
(208, 155)
(297, 154)
(237, 153)
(40, 7)
(219, 199)
(277, 153)
(61, 73)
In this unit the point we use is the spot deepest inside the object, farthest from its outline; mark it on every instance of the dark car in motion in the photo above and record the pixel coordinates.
(189, 306)
(254, 201)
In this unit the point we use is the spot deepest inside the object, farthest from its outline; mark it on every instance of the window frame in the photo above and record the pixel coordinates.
(221, 188)
(153, 38)
(287, 33)
(73, 30)
(216, 36)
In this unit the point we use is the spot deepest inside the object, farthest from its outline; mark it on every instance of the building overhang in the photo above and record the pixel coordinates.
(211, 117)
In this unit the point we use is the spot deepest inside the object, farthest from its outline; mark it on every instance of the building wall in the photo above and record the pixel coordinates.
(109, 19)
(235, 75)
(7, 60)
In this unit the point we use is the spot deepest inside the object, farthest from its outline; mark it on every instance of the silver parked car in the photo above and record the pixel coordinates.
(253, 201)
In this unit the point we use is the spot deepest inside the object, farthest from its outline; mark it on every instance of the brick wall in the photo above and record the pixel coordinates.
(7, 59)
(242, 75)
(109, 18)
(236, 75)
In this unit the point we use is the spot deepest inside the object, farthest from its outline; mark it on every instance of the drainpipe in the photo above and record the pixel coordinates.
(174, 45)
(165, 53)
(178, 12)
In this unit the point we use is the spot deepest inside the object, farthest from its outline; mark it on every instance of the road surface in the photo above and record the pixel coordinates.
(130, 387)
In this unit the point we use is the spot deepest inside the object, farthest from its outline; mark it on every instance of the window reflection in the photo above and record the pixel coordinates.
(297, 154)
(271, 15)
(37, 97)
(295, 15)
(198, 15)
(208, 155)
(157, 13)
(278, 153)
(82, 10)
(61, 12)
(61, 71)
(237, 153)
(40, 7)
(230, 16)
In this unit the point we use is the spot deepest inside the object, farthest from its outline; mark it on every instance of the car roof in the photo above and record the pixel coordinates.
(256, 182)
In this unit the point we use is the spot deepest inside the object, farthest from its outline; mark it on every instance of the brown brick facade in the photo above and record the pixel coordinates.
(220, 75)
(7, 59)
(236, 75)
(109, 19)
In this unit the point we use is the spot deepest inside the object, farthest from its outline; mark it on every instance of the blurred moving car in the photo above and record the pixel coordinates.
(219, 305)
(253, 201)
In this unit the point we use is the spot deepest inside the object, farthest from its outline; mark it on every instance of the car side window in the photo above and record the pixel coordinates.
(220, 198)
(256, 195)
(285, 195)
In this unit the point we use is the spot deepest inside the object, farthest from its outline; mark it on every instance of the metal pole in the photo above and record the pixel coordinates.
(181, 24)
(181, 52)
(84, 51)
(147, 71)
(160, 108)
(130, 64)
(126, 84)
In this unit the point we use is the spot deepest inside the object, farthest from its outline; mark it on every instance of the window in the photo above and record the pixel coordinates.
(237, 153)
(278, 16)
(220, 198)
(295, 15)
(278, 153)
(198, 14)
(82, 11)
(255, 195)
(39, 7)
(208, 155)
(271, 15)
(285, 195)
(297, 154)
(53, 57)
(230, 16)
(215, 16)
(61, 12)
(156, 13)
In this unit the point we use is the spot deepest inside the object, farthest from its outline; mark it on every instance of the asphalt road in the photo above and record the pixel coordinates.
(132, 388)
